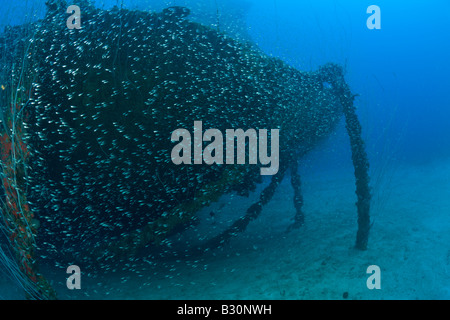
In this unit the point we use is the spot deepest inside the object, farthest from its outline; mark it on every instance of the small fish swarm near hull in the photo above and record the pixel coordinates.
(108, 96)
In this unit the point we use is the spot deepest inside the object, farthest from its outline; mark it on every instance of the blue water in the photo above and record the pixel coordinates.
(401, 73)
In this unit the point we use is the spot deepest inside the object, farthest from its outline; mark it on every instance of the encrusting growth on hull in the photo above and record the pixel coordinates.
(18, 222)
(334, 75)
(252, 213)
(299, 218)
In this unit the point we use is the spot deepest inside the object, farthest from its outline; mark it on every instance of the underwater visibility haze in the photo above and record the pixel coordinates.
(224, 149)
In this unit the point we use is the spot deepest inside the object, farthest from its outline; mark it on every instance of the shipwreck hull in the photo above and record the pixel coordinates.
(103, 101)
(108, 97)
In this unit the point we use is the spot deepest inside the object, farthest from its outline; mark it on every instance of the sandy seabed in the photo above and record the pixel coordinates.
(409, 241)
